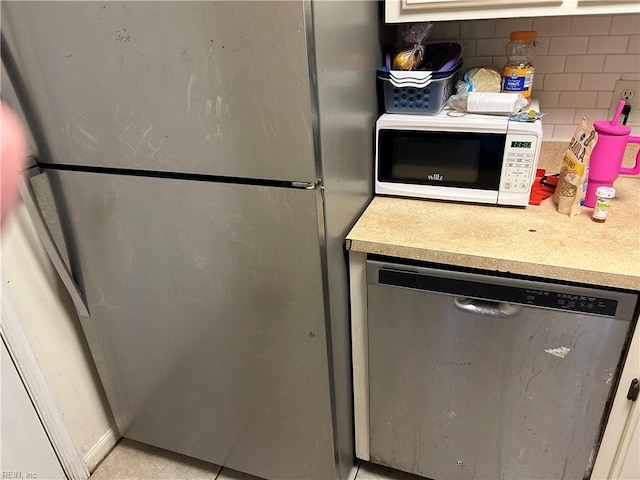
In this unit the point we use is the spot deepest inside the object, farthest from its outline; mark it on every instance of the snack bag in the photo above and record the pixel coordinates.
(572, 182)
(483, 79)
(413, 37)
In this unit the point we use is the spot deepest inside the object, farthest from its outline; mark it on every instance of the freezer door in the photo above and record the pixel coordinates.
(207, 315)
(218, 88)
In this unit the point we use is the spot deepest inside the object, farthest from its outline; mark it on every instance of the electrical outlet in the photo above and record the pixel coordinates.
(628, 94)
(628, 90)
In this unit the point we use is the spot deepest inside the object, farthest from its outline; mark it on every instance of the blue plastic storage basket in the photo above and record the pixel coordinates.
(429, 100)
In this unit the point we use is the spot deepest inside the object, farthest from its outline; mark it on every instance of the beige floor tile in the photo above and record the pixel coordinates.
(228, 474)
(371, 471)
(135, 461)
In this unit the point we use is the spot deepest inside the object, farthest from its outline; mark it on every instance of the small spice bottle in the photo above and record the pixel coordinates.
(603, 201)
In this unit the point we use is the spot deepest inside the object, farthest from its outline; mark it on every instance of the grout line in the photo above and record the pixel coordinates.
(357, 469)
(220, 467)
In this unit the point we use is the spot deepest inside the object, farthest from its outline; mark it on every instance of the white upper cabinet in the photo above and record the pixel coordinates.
(398, 11)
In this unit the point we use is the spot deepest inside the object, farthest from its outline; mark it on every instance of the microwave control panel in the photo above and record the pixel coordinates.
(519, 163)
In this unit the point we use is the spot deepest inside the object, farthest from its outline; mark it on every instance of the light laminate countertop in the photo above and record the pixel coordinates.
(536, 240)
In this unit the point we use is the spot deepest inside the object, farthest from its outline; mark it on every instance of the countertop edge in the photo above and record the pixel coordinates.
(546, 271)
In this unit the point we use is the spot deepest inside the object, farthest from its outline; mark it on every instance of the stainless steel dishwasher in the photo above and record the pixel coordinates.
(484, 377)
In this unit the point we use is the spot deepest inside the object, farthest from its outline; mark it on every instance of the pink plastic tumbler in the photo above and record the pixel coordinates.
(607, 155)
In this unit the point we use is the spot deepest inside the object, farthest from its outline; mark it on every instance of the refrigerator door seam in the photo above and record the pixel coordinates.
(179, 176)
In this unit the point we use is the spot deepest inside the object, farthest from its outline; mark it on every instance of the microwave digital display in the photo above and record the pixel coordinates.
(520, 144)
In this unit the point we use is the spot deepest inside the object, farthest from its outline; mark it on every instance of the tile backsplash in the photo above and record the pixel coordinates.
(577, 60)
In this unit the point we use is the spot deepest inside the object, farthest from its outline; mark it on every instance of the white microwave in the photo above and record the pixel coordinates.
(471, 158)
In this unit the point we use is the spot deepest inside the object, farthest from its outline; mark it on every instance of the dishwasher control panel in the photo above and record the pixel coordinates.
(567, 301)
(564, 298)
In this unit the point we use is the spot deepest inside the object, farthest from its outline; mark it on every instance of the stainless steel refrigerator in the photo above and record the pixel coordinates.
(198, 165)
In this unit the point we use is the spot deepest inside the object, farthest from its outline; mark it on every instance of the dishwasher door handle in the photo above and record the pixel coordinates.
(486, 308)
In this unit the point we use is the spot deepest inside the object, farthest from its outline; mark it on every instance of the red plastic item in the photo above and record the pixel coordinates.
(543, 187)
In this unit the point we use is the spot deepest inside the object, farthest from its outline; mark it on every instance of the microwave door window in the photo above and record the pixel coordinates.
(440, 162)
(467, 160)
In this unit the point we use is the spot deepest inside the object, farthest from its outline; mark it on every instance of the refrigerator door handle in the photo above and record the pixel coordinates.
(30, 201)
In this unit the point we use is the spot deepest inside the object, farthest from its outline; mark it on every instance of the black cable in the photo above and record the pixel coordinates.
(626, 110)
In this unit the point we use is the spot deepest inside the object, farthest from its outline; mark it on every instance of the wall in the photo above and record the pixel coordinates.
(25, 451)
(578, 60)
(53, 331)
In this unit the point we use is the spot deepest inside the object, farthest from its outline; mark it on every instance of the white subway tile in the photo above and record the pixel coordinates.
(577, 99)
(559, 115)
(562, 133)
(625, 24)
(477, 29)
(577, 58)
(445, 31)
(499, 62)
(568, 45)
(599, 81)
(504, 26)
(491, 47)
(590, 25)
(622, 63)
(592, 114)
(468, 48)
(546, 99)
(562, 81)
(584, 63)
(538, 82)
(547, 131)
(550, 63)
(548, 26)
(470, 62)
(604, 99)
(542, 46)
(608, 44)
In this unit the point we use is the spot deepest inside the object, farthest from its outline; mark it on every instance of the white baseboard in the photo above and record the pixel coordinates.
(101, 449)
